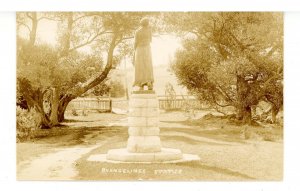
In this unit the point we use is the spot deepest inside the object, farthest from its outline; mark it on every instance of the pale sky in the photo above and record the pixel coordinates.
(163, 47)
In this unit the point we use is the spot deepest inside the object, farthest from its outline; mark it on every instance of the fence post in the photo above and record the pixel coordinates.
(110, 105)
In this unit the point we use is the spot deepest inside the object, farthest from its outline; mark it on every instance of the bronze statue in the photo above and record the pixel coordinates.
(143, 56)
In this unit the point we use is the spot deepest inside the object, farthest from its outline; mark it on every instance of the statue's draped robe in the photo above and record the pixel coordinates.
(143, 57)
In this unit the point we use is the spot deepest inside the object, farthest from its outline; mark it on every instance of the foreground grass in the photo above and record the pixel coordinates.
(198, 170)
(227, 151)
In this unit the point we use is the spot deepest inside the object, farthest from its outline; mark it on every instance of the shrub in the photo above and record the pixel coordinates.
(27, 122)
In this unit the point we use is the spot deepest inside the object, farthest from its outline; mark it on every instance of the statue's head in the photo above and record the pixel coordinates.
(145, 22)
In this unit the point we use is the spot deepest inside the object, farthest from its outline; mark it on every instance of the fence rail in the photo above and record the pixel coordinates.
(103, 104)
(178, 103)
(107, 104)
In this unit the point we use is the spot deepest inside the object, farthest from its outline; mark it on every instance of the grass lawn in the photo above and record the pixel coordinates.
(228, 152)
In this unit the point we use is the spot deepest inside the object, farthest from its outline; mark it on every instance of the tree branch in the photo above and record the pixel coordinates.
(25, 25)
(127, 38)
(80, 88)
(224, 94)
(216, 102)
(49, 18)
(88, 41)
(85, 15)
(29, 16)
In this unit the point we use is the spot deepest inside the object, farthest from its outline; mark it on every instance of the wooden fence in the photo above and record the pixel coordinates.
(101, 105)
(107, 104)
(177, 104)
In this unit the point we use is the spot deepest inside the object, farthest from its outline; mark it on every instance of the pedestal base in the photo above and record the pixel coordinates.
(164, 155)
(143, 145)
(167, 155)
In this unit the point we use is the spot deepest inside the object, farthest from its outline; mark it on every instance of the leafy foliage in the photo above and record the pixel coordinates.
(112, 88)
(231, 59)
(50, 76)
(27, 123)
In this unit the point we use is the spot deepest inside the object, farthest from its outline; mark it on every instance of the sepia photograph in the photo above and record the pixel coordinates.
(151, 96)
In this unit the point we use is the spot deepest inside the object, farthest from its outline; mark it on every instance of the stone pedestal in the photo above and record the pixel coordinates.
(143, 124)
(143, 144)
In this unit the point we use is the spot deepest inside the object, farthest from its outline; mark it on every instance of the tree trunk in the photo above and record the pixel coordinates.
(63, 103)
(29, 47)
(54, 107)
(243, 107)
(46, 123)
(275, 111)
(79, 89)
(32, 35)
(67, 36)
(244, 114)
(36, 100)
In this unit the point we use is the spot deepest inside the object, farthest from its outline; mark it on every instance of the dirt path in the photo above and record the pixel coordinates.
(51, 162)
(59, 165)
(57, 161)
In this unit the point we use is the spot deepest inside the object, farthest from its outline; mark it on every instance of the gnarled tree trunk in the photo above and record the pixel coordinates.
(54, 107)
(243, 108)
(61, 101)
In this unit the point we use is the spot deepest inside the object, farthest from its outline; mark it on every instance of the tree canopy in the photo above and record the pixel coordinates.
(57, 74)
(231, 59)
(227, 58)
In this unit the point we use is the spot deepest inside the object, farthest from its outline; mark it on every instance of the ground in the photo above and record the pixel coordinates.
(227, 151)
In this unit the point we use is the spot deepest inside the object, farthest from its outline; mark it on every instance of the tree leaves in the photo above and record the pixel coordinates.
(227, 47)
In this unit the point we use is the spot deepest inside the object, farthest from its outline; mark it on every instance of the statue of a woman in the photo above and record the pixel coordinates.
(143, 56)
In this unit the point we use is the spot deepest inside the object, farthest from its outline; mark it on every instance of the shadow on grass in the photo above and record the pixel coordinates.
(66, 136)
(75, 120)
(216, 169)
(187, 140)
(229, 135)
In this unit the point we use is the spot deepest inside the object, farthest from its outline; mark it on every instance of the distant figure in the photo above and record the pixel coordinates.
(143, 57)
